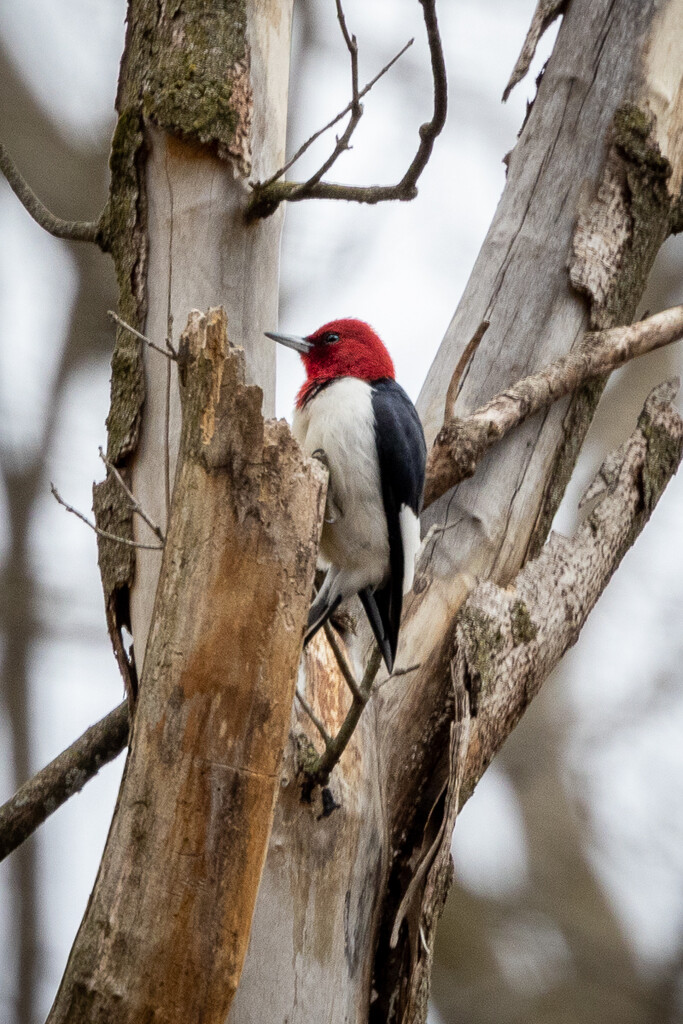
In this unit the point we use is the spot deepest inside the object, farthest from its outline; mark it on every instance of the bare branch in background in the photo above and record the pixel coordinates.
(74, 230)
(461, 443)
(330, 124)
(102, 533)
(62, 778)
(267, 197)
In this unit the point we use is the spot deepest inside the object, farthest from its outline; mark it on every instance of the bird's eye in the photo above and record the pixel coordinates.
(330, 338)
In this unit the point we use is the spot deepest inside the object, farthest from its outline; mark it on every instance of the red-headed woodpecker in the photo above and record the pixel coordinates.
(351, 413)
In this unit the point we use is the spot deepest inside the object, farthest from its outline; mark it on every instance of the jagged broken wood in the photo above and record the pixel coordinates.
(194, 815)
(545, 14)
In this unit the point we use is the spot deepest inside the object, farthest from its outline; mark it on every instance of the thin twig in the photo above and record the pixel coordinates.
(330, 124)
(463, 363)
(98, 531)
(169, 351)
(67, 774)
(137, 507)
(266, 198)
(462, 443)
(343, 142)
(319, 774)
(74, 230)
(404, 671)
(342, 661)
(314, 718)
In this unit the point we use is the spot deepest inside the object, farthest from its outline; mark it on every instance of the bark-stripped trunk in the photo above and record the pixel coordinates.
(348, 901)
(202, 109)
(592, 148)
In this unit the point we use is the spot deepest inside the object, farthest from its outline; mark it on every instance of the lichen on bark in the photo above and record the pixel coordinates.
(185, 69)
(615, 243)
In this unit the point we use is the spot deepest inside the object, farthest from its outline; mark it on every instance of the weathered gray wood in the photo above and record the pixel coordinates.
(591, 118)
(332, 886)
(203, 253)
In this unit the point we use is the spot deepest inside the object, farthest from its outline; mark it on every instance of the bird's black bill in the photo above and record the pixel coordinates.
(291, 341)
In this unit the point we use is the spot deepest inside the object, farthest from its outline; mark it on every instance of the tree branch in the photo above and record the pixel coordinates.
(74, 230)
(319, 773)
(135, 504)
(169, 351)
(330, 124)
(509, 639)
(102, 533)
(266, 198)
(60, 779)
(462, 442)
(543, 17)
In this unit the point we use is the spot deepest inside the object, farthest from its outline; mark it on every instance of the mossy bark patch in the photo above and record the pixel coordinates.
(482, 641)
(185, 69)
(523, 628)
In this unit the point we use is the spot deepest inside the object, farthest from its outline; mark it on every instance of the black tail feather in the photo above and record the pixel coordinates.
(376, 608)
(318, 614)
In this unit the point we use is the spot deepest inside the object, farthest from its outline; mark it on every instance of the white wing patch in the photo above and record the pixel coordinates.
(410, 537)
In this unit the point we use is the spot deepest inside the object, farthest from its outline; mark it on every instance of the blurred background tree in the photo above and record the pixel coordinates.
(568, 902)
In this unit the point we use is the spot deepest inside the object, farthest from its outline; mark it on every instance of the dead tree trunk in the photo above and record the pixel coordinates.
(600, 147)
(345, 914)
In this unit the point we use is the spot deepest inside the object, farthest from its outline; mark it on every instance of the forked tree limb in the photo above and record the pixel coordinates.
(38, 798)
(510, 638)
(330, 124)
(267, 198)
(73, 230)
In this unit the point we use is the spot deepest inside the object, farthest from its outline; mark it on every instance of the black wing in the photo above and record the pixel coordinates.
(402, 455)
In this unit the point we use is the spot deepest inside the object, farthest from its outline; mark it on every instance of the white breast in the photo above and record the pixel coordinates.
(340, 421)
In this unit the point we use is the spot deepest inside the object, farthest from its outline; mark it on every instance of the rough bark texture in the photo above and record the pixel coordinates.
(595, 106)
(167, 926)
(202, 107)
(345, 912)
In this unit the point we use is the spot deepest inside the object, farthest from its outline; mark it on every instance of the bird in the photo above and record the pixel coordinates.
(352, 415)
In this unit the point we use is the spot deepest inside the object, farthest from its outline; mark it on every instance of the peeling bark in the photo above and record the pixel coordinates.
(343, 921)
(167, 926)
(202, 106)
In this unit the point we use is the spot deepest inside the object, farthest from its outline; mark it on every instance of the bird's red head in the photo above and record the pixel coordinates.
(343, 348)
